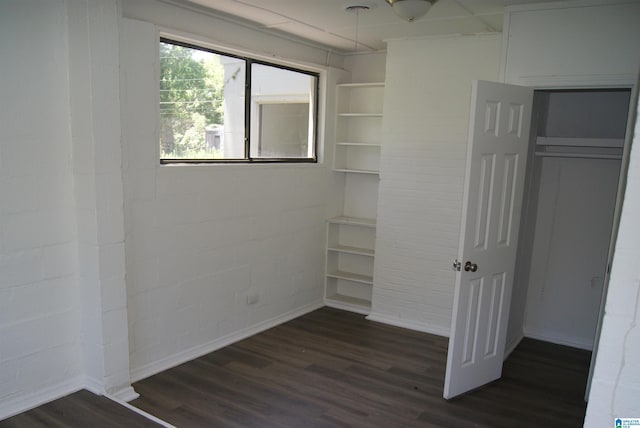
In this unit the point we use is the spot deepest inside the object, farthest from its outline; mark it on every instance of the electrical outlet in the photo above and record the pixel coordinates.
(252, 297)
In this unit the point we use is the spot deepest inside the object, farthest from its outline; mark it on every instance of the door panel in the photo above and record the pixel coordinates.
(496, 159)
(485, 187)
(509, 187)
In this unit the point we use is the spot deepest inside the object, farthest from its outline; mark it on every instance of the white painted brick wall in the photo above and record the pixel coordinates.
(63, 317)
(94, 74)
(426, 115)
(40, 342)
(199, 239)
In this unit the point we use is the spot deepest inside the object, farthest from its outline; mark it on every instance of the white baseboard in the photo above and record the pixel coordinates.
(123, 395)
(94, 386)
(512, 345)
(346, 307)
(12, 407)
(411, 325)
(200, 350)
(566, 341)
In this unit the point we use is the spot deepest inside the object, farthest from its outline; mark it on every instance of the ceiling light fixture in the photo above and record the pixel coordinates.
(410, 10)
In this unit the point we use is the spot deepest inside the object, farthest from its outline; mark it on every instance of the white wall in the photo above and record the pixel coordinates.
(63, 312)
(572, 227)
(615, 389)
(572, 43)
(366, 67)
(587, 114)
(63, 300)
(569, 214)
(426, 116)
(201, 239)
(40, 317)
(97, 165)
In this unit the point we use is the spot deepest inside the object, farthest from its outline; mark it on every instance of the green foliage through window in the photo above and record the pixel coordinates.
(191, 97)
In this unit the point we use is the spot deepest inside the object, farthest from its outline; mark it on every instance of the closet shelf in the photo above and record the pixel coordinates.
(580, 142)
(578, 155)
(579, 148)
(353, 221)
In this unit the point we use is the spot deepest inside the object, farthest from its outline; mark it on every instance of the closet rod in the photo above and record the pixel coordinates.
(577, 155)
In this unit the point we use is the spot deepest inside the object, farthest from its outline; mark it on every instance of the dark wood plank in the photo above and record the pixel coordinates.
(80, 409)
(332, 368)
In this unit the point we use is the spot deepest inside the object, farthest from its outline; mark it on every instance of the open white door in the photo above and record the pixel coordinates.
(496, 161)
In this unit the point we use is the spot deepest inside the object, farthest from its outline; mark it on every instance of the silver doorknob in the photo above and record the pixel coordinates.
(468, 266)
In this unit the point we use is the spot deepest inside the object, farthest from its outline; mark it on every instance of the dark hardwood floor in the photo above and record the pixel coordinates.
(80, 409)
(332, 368)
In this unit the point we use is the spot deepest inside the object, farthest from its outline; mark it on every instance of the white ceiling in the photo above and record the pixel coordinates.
(327, 23)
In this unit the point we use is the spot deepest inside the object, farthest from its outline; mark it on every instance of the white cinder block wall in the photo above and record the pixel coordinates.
(201, 239)
(40, 316)
(366, 67)
(63, 300)
(63, 309)
(615, 388)
(426, 116)
(93, 27)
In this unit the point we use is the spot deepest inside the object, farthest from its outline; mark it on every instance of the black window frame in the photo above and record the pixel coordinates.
(247, 112)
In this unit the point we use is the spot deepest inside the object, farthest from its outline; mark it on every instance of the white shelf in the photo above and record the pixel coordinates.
(353, 221)
(357, 144)
(350, 276)
(359, 114)
(348, 249)
(359, 157)
(351, 240)
(357, 171)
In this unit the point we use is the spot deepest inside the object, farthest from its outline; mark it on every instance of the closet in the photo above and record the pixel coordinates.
(572, 178)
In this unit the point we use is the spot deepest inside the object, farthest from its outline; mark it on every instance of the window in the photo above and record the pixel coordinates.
(217, 107)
